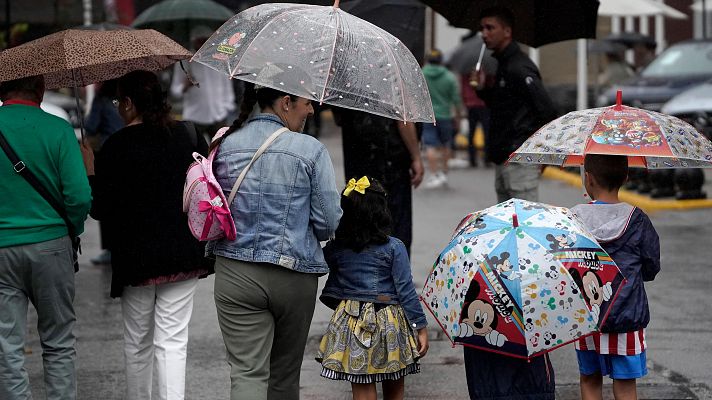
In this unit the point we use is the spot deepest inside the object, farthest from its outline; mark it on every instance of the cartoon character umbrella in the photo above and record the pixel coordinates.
(521, 278)
(324, 54)
(649, 139)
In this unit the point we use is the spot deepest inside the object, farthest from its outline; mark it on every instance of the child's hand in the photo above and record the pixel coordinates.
(607, 291)
(423, 341)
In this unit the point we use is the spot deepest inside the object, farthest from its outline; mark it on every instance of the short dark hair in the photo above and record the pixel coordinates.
(610, 171)
(503, 14)
(366, 218)
(29, 85)
(147, 95)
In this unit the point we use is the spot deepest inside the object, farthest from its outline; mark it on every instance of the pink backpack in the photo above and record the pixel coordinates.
(208, 210)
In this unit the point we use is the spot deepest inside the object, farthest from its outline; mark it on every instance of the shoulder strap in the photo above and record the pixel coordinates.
(259, 152)
(22, 169)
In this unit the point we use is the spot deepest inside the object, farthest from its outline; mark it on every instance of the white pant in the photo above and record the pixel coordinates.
(156, 331)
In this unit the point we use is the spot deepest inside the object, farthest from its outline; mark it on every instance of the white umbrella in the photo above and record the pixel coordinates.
(324, 54)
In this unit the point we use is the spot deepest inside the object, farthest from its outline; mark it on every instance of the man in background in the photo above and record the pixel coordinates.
(518, 103)
(437, 138)
(209, 99)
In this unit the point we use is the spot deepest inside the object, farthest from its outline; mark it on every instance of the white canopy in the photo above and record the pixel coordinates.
(637, 8)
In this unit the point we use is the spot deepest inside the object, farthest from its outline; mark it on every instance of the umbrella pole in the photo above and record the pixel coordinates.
(80, 114)
(583, 181)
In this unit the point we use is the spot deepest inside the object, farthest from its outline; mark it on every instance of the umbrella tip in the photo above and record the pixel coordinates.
(515, 220)
(336, 3)
(619, 100)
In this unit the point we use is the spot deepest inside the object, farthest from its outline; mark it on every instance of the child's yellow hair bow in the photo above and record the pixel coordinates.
(360, 186)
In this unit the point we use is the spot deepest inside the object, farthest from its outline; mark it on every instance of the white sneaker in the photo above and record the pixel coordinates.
(433, 182)
(443, 179)
(457, 163)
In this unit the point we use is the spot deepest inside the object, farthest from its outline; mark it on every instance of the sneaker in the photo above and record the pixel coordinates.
(457, 163)
(443, 178)
(103, 258)
(435, 181)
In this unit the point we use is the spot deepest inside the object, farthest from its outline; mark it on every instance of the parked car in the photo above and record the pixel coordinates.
(675, 70)
(693, 106)
(678, 68)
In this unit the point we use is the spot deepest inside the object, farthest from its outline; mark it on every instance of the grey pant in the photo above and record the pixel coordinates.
(42, 273)
(264, 312)
(519, 181)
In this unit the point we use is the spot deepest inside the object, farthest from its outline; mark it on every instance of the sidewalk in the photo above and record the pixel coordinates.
(99, 329)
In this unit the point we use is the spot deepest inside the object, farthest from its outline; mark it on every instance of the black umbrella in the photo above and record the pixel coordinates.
(404, 19)
(538, 22)
(605, 47)
(464, 58)
(630, 39)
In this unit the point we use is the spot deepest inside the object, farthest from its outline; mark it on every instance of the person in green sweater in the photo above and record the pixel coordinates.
(437, 138)
(36, 256)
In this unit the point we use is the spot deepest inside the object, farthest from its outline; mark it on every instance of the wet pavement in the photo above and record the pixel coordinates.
(679, 336)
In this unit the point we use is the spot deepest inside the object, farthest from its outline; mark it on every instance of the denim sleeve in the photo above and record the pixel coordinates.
(325, 209)
(650, 251)
(405, 289)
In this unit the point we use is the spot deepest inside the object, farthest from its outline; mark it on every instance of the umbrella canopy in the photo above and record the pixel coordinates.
(649, 139)
(538, 22)
(521, 278)
(630, 39)
(638, 8)
(104, 26)
(73, 58)
(176, 18)
(324, 54)
(404, 19)
(464, 59)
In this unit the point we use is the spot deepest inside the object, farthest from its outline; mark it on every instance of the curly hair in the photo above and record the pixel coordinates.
(147, 95)
(366, 219)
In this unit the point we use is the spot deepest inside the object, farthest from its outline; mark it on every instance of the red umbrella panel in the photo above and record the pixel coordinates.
(649, 139)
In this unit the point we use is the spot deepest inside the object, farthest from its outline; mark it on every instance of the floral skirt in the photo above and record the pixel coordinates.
(367, 343)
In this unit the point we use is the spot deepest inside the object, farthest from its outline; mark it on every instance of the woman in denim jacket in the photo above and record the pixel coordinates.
(266, 279)
(376, 307)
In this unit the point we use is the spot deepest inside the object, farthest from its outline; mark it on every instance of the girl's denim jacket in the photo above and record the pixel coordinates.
(378, 274)
(288, 201)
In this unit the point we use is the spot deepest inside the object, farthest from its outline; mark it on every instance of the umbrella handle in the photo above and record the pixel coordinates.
(187, 75)
(474, 82)
(479, 59)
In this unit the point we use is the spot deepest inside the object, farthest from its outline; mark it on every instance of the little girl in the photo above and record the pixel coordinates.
(371, 336)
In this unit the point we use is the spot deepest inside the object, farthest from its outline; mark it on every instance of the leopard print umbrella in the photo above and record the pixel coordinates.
(73, 57)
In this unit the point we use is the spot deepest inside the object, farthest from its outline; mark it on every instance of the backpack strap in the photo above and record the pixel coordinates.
(258, 153)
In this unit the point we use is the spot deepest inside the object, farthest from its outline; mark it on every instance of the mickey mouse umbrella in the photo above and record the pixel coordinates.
(521, 278)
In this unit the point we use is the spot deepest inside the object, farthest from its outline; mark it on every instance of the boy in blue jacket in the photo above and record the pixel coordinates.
(627, 234)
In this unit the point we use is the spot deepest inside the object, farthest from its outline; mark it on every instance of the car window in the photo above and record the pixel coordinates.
(682, 59)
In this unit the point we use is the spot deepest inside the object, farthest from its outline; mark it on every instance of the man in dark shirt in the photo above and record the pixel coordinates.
(518, 103)
(387, 150)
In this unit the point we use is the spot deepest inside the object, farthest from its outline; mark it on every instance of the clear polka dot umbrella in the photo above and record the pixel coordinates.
(324, 54)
